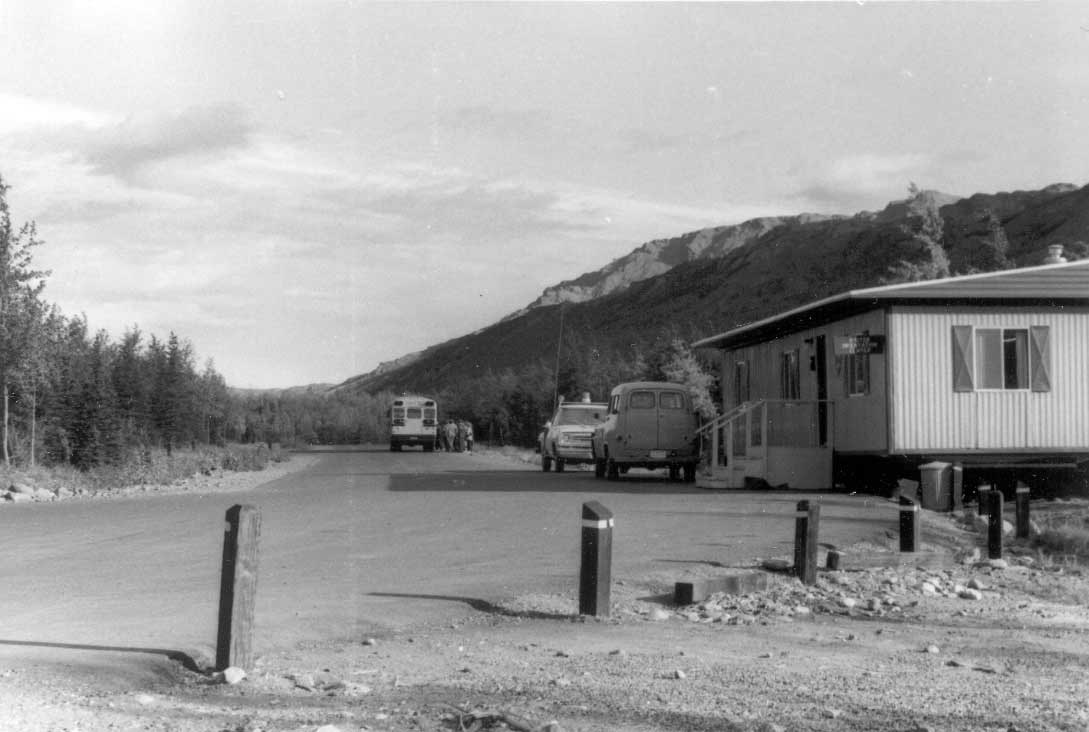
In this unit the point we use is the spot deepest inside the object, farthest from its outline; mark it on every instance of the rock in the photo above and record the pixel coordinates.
(1007, 528)
(928, 589)
(232, 675)
(775, 565)
(370, 642)
(145, 699)
(933, 649)
(848, 602)
(679, 674)
(18, 497)
(802, 610)
(998, 563)
(21, 488)
(975, 584)
(660, 614)
(43, 494)
(970, 594)
(328, 728)
(832, 713)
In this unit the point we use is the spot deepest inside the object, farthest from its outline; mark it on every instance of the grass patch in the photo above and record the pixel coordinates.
(146, 467)
(1063, 533)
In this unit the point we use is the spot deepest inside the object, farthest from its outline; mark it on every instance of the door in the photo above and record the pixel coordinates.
(642, 420)
(675, 422)
(820, 353)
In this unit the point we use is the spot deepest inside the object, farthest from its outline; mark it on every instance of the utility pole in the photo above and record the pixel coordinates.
(559, 347)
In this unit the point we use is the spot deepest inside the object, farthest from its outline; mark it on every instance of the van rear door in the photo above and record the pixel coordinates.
(674, 419)
(642, 418)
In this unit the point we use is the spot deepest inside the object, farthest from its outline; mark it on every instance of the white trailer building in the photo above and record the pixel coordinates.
(987, 370)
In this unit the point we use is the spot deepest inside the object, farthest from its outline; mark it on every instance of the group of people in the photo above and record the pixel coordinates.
(455, 436)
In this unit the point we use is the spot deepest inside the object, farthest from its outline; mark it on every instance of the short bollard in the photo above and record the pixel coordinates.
(833, 561)
(1022, 506)
(994, 524)
(806, 526)
(238, 588)
(595, 573)
(909, 525)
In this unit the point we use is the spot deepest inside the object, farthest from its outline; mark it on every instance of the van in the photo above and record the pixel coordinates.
(650, 424)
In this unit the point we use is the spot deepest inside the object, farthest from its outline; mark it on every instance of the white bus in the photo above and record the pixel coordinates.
(413, 420)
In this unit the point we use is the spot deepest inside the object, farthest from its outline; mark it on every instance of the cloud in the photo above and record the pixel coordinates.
(865, 180)
(142, 140)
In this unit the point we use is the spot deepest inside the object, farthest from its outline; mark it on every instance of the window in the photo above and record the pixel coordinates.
(642, 400)
(1001, 358)
(856, 374)
(790, 381)
(741, 382)
(671, 400)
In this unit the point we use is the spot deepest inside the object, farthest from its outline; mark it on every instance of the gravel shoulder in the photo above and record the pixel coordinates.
(943, 641)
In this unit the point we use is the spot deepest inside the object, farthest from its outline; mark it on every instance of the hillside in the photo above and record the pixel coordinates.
(717, 279)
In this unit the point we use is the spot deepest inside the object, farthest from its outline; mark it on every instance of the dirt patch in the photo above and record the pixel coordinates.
(947, 640)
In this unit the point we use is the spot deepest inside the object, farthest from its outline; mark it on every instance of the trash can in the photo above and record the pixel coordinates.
(936, 486)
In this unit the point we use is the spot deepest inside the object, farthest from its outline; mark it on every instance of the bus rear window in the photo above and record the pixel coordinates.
(414, 412)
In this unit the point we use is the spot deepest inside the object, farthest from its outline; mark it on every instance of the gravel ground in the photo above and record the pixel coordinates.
(945, 640)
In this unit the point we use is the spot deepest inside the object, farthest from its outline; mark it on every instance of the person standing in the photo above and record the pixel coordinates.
(462, 435)
(451, 433)
(469, 436)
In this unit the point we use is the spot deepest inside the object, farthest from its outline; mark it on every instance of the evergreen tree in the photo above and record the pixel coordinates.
(21, 309)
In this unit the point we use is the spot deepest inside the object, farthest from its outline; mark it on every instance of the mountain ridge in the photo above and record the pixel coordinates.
(717, 278)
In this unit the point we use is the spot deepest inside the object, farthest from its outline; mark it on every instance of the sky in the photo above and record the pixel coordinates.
(303, 190)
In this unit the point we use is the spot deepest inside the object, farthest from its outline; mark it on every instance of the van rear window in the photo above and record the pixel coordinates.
(642, 400)
(671, 400)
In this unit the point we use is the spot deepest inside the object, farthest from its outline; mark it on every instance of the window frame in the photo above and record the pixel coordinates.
(1021, 360)
(790, 375)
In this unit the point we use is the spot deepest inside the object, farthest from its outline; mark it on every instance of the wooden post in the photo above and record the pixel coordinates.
(909, 525)
(1022, 506)
(983, 504)
(238, 588)
(806, 527)
(994, 526)
(958, 487)
(832, 561)
(595, 573)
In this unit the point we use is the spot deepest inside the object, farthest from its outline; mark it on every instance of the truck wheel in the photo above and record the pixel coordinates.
(612, 470)
(559, 465)
(599, 468)
(546, 463)
(690, 473)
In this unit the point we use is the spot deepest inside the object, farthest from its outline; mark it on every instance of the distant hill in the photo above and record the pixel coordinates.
(702, 283)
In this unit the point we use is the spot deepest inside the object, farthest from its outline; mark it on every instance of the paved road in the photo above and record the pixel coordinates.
(365, 542)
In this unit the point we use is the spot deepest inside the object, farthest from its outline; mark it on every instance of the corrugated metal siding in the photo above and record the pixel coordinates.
(927, 415)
